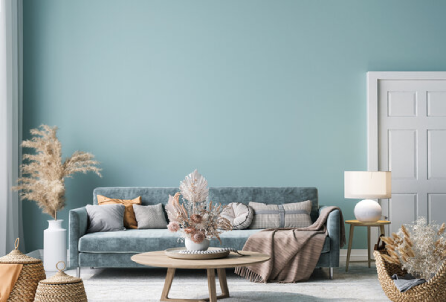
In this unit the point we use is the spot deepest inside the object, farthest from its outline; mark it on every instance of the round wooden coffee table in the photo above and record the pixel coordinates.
(159, 259)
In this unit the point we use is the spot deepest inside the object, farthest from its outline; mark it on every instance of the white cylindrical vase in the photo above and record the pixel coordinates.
(54, 245)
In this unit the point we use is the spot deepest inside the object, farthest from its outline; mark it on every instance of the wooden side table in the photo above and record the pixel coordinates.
(353, 223)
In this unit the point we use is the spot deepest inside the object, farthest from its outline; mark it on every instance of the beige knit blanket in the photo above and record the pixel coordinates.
(294, 252)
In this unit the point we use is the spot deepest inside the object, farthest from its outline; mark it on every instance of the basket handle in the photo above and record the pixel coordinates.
(64, 266)
(383, 244)
(16, 243)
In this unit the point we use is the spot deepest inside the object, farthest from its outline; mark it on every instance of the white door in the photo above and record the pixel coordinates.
(408, 134)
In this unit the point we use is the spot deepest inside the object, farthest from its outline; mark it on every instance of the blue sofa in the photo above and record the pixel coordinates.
(114, 249)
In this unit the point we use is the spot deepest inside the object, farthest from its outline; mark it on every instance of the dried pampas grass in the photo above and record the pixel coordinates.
(44, 172)
(418, 248)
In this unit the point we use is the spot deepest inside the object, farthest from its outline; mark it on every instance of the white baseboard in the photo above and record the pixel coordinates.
(356, 255)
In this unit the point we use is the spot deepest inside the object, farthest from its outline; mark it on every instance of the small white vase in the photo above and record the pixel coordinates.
(54, 245)
(192, 246)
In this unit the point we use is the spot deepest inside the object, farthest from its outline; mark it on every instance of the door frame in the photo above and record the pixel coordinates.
(373, 78)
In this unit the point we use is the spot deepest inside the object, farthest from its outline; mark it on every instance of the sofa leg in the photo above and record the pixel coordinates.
(78, 271)
(330, 273)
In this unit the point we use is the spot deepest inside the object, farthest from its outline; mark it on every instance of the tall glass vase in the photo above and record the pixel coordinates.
(54, 245)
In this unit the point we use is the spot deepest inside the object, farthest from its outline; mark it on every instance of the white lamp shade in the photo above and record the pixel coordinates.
(366, 184)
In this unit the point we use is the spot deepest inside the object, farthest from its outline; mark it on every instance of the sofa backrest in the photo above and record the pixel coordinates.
(223, 195)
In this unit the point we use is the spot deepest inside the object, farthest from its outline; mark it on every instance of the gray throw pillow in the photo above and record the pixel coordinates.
(150, 217)
(288, 215)
(105, 218)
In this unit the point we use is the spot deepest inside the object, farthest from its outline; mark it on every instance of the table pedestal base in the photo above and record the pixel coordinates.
(211, 285)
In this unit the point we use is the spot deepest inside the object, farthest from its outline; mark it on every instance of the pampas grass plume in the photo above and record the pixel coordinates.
(44, 171)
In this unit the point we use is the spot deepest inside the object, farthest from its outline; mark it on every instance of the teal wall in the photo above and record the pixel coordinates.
(252, 93)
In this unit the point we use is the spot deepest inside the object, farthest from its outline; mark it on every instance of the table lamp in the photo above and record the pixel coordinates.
(367, 185)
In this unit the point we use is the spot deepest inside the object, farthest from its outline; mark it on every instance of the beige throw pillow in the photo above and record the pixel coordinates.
(288, 215)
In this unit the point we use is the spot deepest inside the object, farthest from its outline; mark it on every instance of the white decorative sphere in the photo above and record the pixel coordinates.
(368, 210)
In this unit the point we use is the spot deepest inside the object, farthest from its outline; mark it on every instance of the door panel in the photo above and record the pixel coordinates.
(402, 104)
(412, 144)
(403, 154)
(408, 202)
(436, 103)
(437, 207)
(436, 154)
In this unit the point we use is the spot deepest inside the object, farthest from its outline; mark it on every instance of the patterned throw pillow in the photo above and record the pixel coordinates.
(288, 215)
(239, 214)
(129, 215)
(150, 217)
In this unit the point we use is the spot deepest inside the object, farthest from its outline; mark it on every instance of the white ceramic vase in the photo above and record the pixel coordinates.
(192, 246)
(54, 245)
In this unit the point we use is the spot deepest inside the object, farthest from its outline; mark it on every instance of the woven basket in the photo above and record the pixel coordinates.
(61, 287)
(32, 272)
(433, 290)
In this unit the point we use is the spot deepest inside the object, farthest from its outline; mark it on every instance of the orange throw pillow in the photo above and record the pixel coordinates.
(129, 214)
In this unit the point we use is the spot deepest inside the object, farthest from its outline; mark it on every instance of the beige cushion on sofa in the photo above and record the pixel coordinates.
(288, 215)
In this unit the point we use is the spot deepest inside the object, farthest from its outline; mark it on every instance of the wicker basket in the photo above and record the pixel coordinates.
(61, 287)
(32, 272)
(433, 290)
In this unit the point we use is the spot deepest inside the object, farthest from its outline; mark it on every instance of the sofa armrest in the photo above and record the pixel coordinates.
(334, 232)
(77, 228)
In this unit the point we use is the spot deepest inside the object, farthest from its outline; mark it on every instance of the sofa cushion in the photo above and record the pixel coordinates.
(106, 218)
(240, 215)
(129, 215)
(289, 215)
(150, 217)
(129, 241)
(223, 195)
(124, 259)
(139, 241)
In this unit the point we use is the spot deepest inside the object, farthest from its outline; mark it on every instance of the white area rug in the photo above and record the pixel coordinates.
(359, 284)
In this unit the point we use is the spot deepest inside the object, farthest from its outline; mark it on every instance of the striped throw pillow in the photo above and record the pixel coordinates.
(288, 215)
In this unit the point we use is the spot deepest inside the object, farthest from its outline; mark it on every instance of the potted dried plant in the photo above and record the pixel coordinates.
(418, 249)
(195, 218)
(43, 175)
